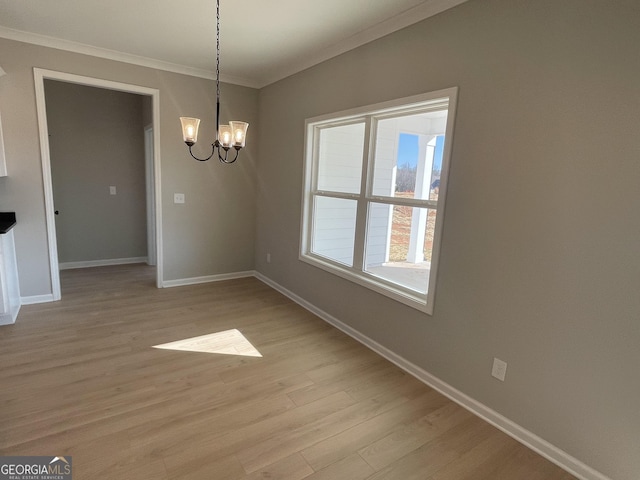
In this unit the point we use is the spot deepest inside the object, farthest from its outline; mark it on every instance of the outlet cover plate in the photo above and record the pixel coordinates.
(499, 369)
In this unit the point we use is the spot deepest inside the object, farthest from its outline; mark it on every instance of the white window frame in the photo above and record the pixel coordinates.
(369, 115)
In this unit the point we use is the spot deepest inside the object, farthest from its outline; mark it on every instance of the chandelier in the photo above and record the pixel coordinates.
(228, 136)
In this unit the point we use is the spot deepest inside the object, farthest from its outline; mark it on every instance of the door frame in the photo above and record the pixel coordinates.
(40, 75)
(150, 194)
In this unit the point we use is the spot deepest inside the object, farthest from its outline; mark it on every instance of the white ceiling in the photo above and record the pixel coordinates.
(261, 41)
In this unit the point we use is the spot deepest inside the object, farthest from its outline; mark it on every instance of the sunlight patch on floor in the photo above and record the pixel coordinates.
(229, 342)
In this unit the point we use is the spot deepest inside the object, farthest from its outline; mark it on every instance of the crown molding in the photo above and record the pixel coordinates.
(416, 14)
(75, 47)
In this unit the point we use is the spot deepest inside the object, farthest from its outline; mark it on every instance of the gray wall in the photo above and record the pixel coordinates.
(212, 233)
(96, 141)
(540, 262)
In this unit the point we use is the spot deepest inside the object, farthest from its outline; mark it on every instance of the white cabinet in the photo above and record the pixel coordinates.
(9, 286)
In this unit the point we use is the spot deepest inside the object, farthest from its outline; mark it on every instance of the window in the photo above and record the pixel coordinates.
(375, 181)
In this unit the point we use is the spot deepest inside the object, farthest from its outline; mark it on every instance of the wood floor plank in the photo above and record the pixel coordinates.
(409, 436)
(481, 461)
(292, 467)
(80, 377)
(438, 453)
(205, 467)
(352, 467)
(355, 378)
(309, 433)
(211, 443)
(364, 434)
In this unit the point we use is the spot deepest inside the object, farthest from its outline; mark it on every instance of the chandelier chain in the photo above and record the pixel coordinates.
(234, 133)
(218, 50)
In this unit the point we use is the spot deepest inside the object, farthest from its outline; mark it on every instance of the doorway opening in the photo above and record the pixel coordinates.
(96, 192)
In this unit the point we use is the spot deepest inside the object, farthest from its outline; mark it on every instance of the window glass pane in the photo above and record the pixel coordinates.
(408, 155)
(399, 244)
(334, 228)
(340, 158)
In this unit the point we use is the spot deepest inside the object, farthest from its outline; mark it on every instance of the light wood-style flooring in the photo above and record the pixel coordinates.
(79, 377)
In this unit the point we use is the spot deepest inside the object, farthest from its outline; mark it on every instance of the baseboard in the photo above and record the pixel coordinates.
(32, 300)
(10, 318)
(101, 263)
(209, 278)
(166, 284)
(522, 435)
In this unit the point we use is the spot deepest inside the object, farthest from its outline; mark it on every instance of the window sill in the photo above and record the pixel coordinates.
(406, 296)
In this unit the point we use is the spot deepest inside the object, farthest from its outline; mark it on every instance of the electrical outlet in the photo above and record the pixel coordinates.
(268, 258)
(178, 198)
(499, 369)
(112, 190)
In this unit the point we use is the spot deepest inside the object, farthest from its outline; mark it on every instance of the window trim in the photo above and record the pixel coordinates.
(370, 115)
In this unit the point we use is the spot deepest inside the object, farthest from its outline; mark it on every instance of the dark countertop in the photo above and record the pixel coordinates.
(7, 221)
